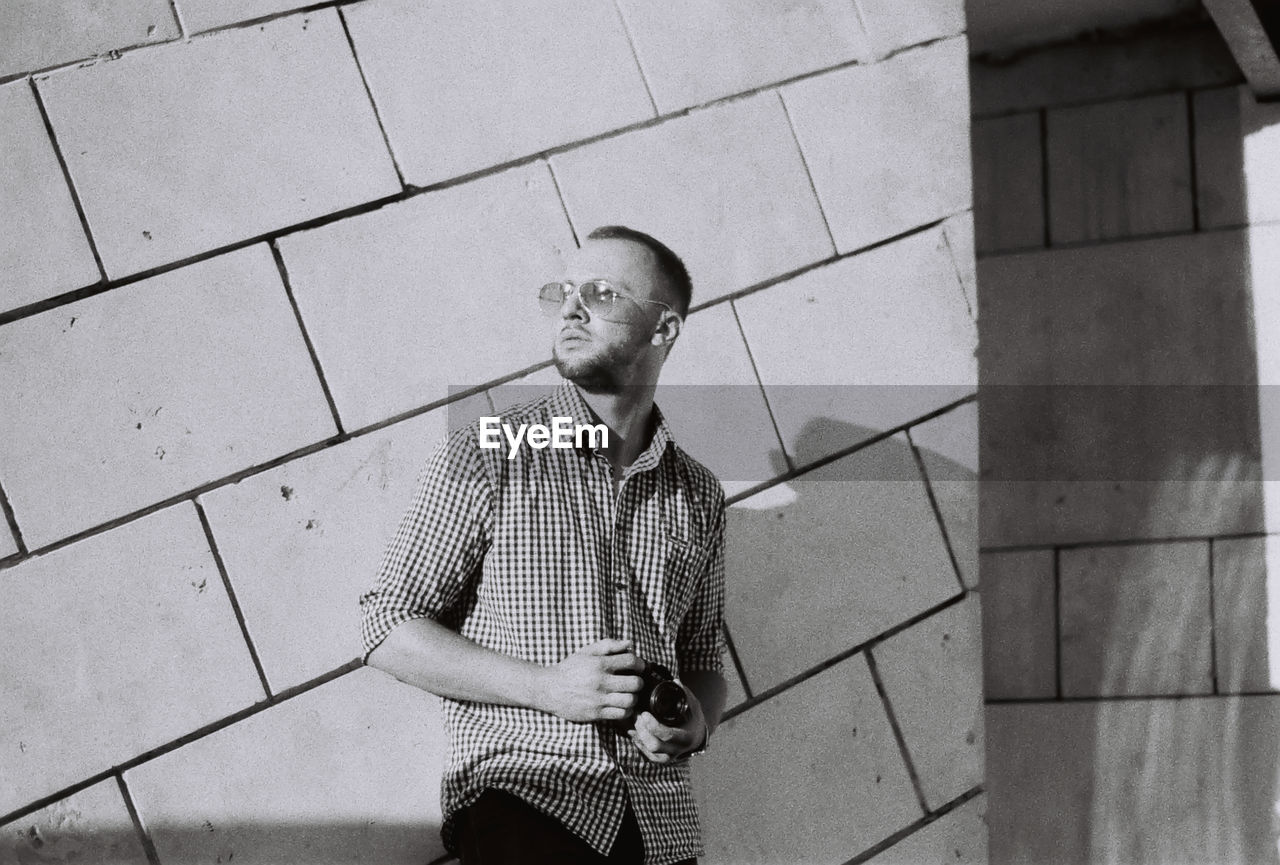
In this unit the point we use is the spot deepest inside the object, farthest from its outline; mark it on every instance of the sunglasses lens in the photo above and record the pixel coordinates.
(551, 296)
(600, 298)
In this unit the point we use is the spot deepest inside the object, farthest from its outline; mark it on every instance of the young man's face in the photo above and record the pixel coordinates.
(600, 354)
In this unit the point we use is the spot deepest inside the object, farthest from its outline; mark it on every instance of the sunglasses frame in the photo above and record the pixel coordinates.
(573, 287)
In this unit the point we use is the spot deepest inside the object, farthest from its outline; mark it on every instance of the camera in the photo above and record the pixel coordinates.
(661, 696)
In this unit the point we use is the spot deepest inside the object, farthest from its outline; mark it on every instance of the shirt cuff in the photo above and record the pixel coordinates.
(376, 628)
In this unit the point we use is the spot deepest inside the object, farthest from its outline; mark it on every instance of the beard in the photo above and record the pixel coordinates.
(601, 371)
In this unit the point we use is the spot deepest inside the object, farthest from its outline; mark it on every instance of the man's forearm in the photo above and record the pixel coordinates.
(427, 655)
(710, 689)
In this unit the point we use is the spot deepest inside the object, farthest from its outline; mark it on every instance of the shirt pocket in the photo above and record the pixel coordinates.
(682, 563)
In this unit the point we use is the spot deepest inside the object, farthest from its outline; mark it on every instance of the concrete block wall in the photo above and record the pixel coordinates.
(258, 259)
(1126, 226)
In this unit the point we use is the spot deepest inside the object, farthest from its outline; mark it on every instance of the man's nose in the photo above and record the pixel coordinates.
(572, 306)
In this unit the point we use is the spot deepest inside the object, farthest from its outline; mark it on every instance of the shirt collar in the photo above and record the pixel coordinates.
(567, 401)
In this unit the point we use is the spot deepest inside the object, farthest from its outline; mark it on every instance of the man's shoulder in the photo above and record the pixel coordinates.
(701, 479)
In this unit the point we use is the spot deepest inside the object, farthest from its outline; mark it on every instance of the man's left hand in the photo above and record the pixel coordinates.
(663, 744)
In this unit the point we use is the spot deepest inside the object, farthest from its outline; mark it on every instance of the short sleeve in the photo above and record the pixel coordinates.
(439, 546)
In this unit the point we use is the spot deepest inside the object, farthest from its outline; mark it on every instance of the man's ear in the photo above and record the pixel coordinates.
(667, 330)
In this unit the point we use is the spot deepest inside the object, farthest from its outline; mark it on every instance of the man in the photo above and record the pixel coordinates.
(529, 586)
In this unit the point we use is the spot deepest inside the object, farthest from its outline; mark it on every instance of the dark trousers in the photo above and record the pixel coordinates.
(502, 829)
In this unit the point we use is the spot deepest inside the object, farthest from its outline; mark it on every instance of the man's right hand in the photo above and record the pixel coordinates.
(595, 683)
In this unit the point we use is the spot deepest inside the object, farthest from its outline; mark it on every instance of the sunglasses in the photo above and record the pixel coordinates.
(598, 296)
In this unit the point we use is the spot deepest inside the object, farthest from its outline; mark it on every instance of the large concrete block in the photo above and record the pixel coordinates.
(957, 838)
(713, 402)
(1112, 314)
(695, 52)
(37, 34)
(1134, 781)
(850, 551)
(43, 249)
(1221, 194)
(193, 146)
(302, 541)
(1042, 760)
(1098, 70)
(1118, 395)
(461, 86)
(441, 290)
(932, 675)
(1019, 625)
(1135, 620)
(811, 775)
(1119, 169)
(888, 144)
(200, 15)
(893, 25)
(1008, 186)
(126, 641)
(1245, 613)
(129, 397)
(724, 187)
(948, 447)
(348, 772)
(862, 345)
(90, 826)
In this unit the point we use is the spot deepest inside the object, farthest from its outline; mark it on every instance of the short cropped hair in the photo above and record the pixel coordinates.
(669, 264)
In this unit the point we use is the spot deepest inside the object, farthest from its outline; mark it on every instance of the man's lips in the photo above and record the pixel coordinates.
(573, 333)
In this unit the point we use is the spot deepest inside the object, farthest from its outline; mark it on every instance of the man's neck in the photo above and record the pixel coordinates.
(627, 413)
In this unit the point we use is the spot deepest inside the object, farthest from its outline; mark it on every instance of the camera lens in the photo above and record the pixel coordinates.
(668, 704)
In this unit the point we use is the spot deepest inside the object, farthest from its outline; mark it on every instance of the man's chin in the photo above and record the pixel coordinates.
(585, 373)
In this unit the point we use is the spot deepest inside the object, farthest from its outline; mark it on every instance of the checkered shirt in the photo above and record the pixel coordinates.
(533, 557)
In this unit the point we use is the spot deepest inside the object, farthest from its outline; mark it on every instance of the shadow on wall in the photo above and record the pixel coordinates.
(1120, 426)
(821, 565)
(259, 842)
(836, 556)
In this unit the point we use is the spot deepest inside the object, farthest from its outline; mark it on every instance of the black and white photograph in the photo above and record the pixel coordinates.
(639, 432)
